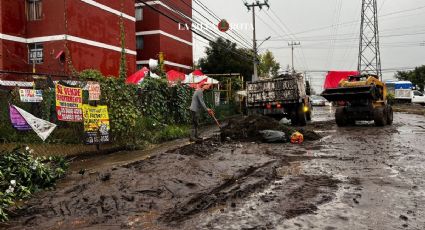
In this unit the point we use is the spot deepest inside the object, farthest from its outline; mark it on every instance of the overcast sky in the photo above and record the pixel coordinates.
(328, 31)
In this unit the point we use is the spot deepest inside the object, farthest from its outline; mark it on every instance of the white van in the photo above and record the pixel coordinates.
(418, 97)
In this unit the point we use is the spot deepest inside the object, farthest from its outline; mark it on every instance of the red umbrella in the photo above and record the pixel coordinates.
(198, 85)
(137, 77)
(174, 76)
(198, 73)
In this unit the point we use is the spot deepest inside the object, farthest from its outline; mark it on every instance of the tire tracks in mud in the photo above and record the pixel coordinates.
(239, 186)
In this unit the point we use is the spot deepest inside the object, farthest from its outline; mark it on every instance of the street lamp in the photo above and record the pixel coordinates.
(255, 77)
(268, 38)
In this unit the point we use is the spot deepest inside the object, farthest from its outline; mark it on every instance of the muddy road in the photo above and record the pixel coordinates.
(360, 177)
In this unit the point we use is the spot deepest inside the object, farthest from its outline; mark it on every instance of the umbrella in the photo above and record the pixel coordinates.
(137, 77)
(174, 76)
(198, 72)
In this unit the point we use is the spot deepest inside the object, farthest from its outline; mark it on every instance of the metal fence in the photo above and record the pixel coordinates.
(68, 137)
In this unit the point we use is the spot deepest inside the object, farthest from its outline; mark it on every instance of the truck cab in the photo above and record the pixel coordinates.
(418, 97)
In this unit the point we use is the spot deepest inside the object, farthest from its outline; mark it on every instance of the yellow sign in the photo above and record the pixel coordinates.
(96, 124)
(94, 117)
(69, 101)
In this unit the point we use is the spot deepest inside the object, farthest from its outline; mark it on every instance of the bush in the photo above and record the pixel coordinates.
(21, 174)
(121, 101)
(171, 132)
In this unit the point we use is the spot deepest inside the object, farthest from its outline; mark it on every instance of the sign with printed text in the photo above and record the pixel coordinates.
(18, 120)
(69, 101)
(94, 90)
(31, 95)
(22, 120)
(96, 124)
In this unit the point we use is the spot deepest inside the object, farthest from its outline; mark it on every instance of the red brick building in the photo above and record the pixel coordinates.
(43, 32)
(156, 33)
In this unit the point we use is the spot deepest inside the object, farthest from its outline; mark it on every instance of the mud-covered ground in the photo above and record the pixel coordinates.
(361, 177)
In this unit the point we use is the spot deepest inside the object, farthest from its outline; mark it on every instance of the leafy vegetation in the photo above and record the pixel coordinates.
(22, 174)
(170, 132)
(417, 76)
(224, 57)
(121, 100)
(268, 66)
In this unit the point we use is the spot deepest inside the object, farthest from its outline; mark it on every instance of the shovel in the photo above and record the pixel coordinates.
(216, 121)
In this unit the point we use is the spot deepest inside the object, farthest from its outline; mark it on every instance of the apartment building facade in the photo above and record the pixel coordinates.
(157, 33)
(55, 36)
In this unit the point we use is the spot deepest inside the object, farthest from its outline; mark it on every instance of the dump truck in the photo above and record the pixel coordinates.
(360, 97)
(281, 97)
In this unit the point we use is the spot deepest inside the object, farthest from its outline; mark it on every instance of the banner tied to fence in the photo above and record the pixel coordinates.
(18, 121)
(69, 103)
(94, 90)
(31, 95)
(41, 127)
(96, 124)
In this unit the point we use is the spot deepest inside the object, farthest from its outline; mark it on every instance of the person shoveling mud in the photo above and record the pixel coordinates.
(196, 106)
(256, 128)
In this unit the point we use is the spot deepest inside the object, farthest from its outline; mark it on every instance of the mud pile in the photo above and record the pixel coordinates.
(248, 129)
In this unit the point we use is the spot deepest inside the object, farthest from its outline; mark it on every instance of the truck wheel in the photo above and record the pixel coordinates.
(380, 116)
(351, 122)
(309, 113)
(390, 115)
(340, 117)
(302, 116)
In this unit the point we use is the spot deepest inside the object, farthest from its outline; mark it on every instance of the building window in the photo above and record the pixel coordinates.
(139, 14)
(34, 10)
(139, 42)
(35, 53)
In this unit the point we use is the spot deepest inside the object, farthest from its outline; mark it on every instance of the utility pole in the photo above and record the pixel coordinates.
(292, 45)
(369, 52)
(254, 39)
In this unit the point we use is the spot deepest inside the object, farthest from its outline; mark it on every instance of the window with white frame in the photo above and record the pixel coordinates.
(139, 13)
(34, 10)
(139, 42)
(35, 53)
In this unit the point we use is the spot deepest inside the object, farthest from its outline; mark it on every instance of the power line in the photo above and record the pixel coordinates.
(210, 12)
(254, 39)
(191, 29)
(244, 43)
(194, 20)
(356, 21)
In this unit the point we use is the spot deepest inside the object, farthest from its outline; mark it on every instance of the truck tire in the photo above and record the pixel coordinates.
(380, 116)
(340, 117)
(309, 113)
(390, 115)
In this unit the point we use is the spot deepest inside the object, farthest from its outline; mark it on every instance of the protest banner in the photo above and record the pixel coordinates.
(69, 103)
(31, 95)
(96, 124)
(41, 127)
(18, 121)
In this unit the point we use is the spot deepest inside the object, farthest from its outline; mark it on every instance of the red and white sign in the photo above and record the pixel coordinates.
(94, 90)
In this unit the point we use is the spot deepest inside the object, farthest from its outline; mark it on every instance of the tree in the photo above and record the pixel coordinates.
(123, 61)
(417, 76)
(268, 66)
(224, 57)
